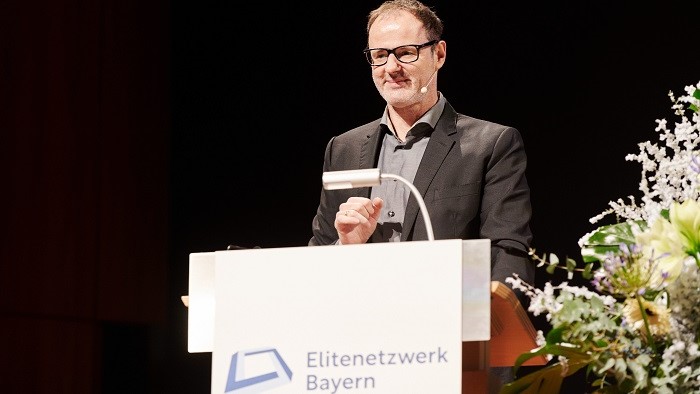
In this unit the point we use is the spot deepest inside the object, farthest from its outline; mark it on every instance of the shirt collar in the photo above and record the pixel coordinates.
(430, 118)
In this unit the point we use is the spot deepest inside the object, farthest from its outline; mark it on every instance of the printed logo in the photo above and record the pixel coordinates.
(257, 370)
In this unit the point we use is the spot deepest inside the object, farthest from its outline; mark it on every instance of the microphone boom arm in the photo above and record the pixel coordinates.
(349, 179)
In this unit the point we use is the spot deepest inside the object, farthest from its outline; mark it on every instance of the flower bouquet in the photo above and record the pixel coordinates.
(635, 327)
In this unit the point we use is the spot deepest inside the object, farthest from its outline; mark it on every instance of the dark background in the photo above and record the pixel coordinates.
(134, 133)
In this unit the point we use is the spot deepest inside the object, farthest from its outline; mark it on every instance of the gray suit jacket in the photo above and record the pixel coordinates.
(472, 178)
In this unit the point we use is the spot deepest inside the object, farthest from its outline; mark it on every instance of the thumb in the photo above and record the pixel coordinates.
(378, 203)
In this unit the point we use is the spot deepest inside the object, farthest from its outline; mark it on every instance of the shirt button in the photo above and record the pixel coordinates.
(391, 214)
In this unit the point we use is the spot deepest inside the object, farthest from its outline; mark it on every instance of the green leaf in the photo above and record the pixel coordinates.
(587, 271)
(545, 380)
(554, 336)
(608, 238)
(570, 264)
(696, 94)
(571, 353)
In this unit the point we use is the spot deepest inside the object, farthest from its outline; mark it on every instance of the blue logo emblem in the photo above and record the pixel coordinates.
(260, 361)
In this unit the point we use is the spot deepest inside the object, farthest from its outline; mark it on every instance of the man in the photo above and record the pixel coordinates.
(470, 172)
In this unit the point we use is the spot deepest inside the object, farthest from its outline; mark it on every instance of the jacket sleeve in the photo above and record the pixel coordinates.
(506, 208)
(322, 225)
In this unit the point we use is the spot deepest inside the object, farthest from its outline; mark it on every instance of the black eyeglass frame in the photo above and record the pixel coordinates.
(390, 51)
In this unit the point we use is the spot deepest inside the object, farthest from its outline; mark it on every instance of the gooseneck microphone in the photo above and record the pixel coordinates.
(349, 179)
(424, 89)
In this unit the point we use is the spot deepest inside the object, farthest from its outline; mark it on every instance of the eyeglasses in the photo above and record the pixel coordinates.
(404, 53)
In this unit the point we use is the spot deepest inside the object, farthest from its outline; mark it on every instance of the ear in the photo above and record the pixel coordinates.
(440, 53)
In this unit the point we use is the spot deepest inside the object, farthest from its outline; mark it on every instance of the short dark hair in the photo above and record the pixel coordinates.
(430, 20)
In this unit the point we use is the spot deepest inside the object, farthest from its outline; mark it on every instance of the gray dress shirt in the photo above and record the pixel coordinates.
(401, 158)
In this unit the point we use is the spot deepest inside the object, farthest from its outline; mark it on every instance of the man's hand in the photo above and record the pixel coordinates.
(356, 219)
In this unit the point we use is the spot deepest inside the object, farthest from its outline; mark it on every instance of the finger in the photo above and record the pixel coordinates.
(374, 208)
(357, 200)
(377, 204)
(346, 212)
(351, 216)
(347, 221)
(371, 207)
(353, 209)
(348, 216)
(362, 206)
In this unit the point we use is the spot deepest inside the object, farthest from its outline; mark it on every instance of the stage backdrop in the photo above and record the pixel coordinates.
(84, 117)
(136, 133)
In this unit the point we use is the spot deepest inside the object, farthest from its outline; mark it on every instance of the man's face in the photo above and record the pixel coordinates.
(400, 83)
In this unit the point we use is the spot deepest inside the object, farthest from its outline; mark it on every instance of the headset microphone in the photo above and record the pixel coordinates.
(424, 89)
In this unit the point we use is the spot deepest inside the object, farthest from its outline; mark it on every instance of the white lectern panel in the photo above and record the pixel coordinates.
(200, 316)
(381, 318)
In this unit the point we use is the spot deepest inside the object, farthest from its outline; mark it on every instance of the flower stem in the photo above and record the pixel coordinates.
(650, 337)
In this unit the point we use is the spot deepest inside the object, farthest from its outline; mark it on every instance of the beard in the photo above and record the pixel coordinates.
(400, 97)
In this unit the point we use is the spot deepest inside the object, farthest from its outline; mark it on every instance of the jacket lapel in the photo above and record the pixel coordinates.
(440, 143)
(369, 151)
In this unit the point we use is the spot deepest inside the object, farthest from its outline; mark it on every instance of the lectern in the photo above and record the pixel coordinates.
(411, 317)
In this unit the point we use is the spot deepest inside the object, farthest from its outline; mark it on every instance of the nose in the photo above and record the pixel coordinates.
(392, 63)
